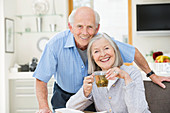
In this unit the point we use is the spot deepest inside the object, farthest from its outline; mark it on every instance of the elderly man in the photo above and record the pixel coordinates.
(65, 57)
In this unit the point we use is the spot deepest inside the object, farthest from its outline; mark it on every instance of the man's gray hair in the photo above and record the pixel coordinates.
(92, 66)
(71, 17)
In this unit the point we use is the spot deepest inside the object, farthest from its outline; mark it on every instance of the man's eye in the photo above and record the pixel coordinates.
(79, 26)
(90, 27)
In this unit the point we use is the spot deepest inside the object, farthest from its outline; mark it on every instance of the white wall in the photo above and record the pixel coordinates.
(147, 43)
(113, 16)
(2, 60)
(10, 58)
(27, 43)
(10, 11)
(6, 59)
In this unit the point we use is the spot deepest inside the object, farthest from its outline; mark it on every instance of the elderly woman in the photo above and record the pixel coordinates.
(126, 95)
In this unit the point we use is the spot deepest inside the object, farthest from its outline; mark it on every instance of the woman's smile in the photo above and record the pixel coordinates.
(105, 59)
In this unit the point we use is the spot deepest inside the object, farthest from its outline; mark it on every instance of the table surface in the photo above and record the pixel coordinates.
(93, 112)
(89, 112)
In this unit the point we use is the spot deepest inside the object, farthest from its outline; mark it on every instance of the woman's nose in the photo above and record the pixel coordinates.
(103, 53)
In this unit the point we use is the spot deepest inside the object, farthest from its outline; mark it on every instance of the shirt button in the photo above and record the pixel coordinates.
(110, 97)
(81, 66)
(110, 110)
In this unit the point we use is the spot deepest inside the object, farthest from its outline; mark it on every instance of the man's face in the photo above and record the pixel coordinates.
(83, 29)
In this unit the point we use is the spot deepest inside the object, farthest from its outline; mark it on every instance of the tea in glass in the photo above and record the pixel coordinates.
(100, 78)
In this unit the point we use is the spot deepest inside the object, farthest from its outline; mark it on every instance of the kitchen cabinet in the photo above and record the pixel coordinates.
(22, 96)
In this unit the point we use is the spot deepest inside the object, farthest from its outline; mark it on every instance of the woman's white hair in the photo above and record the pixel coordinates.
(92, 66)
(71, 17)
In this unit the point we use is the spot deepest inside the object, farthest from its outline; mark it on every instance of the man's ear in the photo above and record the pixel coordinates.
(70, 27)
(97, 29)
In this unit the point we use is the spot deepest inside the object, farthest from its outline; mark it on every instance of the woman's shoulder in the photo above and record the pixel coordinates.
(128, 68)
(131, 70)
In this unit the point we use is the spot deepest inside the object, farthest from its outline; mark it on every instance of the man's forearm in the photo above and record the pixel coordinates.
(141, 62)
(42, 94)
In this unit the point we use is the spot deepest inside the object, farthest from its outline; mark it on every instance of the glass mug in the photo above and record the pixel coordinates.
(100, 78)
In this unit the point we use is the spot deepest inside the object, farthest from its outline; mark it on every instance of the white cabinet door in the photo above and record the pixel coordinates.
(23, 97)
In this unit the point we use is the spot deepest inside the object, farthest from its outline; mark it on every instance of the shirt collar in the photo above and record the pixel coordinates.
(70, 42)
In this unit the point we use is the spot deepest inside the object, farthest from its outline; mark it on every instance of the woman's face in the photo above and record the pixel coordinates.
(103, 53)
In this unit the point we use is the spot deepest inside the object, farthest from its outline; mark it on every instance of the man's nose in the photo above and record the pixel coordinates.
(84, 31)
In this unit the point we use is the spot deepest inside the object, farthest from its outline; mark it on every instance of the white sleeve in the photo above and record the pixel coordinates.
(78, 101)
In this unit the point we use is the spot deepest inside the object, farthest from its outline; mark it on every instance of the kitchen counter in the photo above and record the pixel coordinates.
(20, 75)
(28, 75)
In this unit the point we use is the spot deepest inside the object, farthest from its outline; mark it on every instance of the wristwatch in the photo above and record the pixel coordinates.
(150, 73)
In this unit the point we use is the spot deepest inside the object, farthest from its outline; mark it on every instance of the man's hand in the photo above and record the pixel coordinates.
(159, 79)
(45, 110)
(87, 85)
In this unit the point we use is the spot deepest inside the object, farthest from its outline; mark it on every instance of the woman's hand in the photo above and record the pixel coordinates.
(88, 85)
(117, 72)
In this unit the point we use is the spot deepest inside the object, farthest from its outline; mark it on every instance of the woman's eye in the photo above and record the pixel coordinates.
(96, 51)
(107, 48)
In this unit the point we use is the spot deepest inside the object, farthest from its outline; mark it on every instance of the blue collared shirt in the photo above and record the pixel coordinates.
(61, 59)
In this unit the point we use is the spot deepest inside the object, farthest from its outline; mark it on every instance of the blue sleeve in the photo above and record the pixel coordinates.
(127, 51)
(46, 66)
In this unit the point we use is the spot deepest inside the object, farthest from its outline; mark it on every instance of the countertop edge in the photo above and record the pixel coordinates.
(29, 75)
(21, 75)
